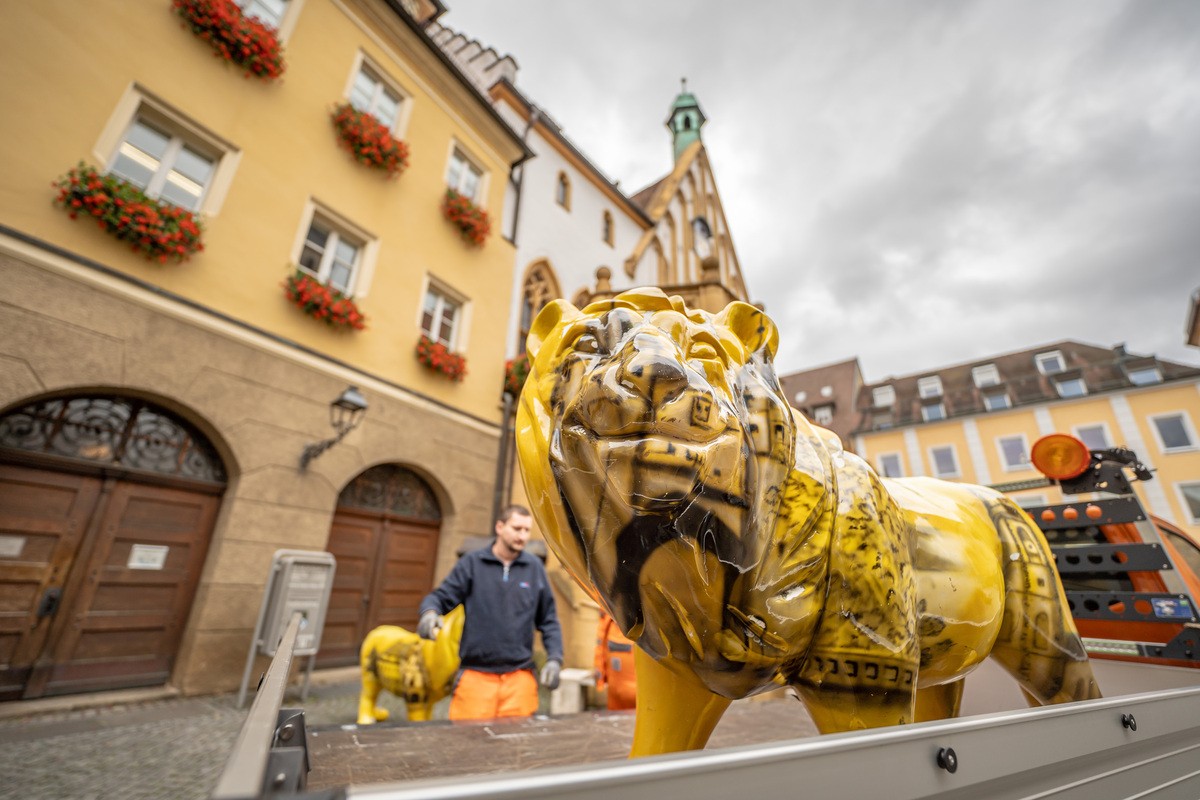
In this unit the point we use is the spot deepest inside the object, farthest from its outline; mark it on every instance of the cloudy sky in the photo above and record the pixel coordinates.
(917, 184)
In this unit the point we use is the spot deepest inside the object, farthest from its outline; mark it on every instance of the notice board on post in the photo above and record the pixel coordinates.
(300, 582)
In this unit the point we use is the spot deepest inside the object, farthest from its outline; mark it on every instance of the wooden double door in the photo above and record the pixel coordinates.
(385, 568)
(97, 576)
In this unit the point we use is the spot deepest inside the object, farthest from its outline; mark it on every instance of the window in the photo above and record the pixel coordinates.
(1189, 493)
(562, 191)
(985, 375)
(1050, 363)
(929, 387)
(882, 421)
(606, 228)
(1144, 376)
(269, 12)
(162, 164)
(933, 412)
(1186, 550)
(440, 317)
(331, 255)
(540, 287)
(1028, 501)
(996, 402)
(945, 462)
(1014, 452)
(1094, 436)
(463, 177)
(1174, 433)
(369, 93)
(883, 396)
(890, 465)
(800, 397)
(1071, 387)
(823, 415)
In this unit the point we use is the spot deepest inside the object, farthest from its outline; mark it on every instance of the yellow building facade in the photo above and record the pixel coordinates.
(153, 415)
(976, 422)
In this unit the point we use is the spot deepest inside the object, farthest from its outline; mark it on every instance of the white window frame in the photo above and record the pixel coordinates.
(1007, 402)
(1188, 428)
(287, 22)
(342, 228)
(941, 410)
(458, 153)
(1041, 358)
(985, 375)
(1058, 387)
(887, 391)
(933, 465)
(881, 462)
(825, 410)
(1028, 501)
(1004, 462)
(1104, 431)
(1153, 368)
(444, 294)
(384, 82)
(1193, 519)
(138, 103)
(929, 386)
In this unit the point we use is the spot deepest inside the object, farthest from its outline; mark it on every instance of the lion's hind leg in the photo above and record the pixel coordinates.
(1038, 643)
(939, 702)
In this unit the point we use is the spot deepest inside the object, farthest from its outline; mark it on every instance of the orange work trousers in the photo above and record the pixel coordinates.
(486, 695)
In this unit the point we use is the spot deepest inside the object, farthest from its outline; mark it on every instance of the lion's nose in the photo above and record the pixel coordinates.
(652, 368)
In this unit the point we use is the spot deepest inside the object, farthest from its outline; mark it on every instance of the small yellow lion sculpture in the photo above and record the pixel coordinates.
(418, 671)
(742, 548)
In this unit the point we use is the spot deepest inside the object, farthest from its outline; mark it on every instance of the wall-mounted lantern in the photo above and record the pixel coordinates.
(345, 413)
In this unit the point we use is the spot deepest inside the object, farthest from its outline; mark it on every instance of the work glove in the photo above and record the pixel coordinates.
(549, 676)
(430, 624)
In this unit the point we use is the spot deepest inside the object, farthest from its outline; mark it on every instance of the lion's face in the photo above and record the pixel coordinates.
(652, 440)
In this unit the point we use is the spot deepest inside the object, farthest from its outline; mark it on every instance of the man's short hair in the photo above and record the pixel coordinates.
(507, 513)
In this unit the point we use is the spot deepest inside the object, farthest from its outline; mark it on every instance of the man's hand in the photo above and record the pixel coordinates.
(549, 676)
(430, 624)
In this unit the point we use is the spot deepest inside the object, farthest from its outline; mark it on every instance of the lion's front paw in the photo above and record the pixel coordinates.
(381, 714)
(366, 719)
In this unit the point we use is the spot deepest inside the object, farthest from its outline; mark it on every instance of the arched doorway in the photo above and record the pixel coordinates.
(107, 505)
(385, 539)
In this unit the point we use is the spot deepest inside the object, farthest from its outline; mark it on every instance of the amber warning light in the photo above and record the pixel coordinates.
(1060, 456)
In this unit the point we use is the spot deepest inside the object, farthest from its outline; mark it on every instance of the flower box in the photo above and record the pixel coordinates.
(516, 370)
(158, 230)
(471, 221)
(323, 303)
(240, 40)
(369, 140)
(436, 357)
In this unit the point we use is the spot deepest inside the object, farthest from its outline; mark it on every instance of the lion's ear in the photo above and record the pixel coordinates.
(752, 326)
(553, 314)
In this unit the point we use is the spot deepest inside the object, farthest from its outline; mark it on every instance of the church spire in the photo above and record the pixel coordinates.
(685, 120)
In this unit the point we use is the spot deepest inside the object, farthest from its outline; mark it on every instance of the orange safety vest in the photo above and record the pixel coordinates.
(614, 664)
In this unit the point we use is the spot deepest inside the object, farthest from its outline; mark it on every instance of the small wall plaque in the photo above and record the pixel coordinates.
(11, 546)
(147, 556)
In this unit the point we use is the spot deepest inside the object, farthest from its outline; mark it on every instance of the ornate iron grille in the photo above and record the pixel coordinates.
(114, 430)
(392, 489)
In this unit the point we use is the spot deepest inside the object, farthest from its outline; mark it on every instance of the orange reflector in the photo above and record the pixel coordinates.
(1070, 513)
(1060, 456)
(1047, 516)
(1093, 511)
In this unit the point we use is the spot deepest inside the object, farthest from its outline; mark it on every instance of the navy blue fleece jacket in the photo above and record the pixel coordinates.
(503, 606)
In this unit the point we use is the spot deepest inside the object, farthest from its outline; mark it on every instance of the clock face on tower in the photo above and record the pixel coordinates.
(701, 238)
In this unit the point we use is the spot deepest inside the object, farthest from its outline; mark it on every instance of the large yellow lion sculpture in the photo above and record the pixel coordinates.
(742, 548)
(418, 671)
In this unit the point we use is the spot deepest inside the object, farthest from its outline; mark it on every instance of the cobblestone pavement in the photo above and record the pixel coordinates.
(157, 750)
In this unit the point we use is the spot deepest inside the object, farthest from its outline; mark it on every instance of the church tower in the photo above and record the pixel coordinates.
(685, 120)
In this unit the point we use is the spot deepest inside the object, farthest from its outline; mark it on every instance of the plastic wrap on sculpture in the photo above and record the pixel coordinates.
(418, 671)
(741, 548)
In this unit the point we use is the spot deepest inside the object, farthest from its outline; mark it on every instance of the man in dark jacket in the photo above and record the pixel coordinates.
(506, 595)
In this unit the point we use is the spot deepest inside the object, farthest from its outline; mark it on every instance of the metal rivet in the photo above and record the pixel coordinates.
(286, 732)
(947, 759)
(1129, 722)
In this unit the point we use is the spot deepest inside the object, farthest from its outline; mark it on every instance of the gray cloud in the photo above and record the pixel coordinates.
(915, 183)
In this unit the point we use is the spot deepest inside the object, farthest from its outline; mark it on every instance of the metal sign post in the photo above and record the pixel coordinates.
(300, 582)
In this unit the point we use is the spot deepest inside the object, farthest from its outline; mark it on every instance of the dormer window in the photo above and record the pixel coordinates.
(929, 387)
(823, 415)
(997, 401)
(1071, 387)
(1144, 376)
(985, 375)
(933, 412)
(1050, 363)
(883, 396)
